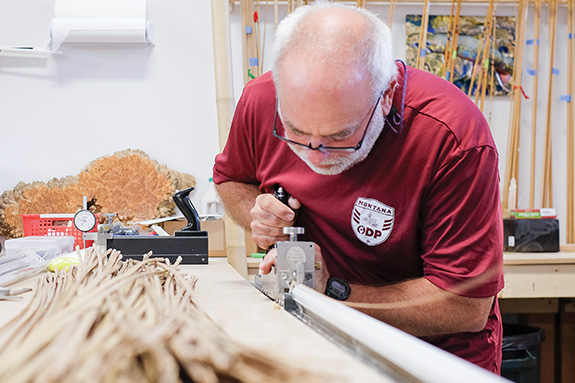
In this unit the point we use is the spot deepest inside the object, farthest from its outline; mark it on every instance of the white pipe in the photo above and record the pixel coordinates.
(421, 360)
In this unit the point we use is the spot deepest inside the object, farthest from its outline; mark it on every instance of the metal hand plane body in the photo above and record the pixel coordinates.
(295, 263)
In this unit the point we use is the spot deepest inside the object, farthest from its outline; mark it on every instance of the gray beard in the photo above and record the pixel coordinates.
(339, 163)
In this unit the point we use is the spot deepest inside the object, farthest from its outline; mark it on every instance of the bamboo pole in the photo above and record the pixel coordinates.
(276, 19)
(450, 31)
(483, 56)
(225, 105)
(453, 49)
(570, 129)
(536, 35)
(511, 168)
(547, 194)
(488, 66)
(391, 13)
(492, 77)
(422, 48)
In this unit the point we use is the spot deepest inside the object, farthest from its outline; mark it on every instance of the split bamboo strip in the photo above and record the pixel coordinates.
(536, 36)
(109, 320)
(547, 193)
(455, 37)
(422, 44)
(492, 79)
(512, 168)
(483, 59)
(488, 66)
(476, 65)
(276, 19)
(391, 13)
(450, 32)
(245, 44)
(570, 128)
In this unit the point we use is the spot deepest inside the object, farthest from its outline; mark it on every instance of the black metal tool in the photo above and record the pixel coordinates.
(184, 203)
(190, 242)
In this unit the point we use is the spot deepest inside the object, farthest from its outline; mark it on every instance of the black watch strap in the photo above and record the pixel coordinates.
(337, 288)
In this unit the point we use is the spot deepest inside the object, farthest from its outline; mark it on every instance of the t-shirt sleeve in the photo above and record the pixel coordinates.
(237, 160)
(462, 230)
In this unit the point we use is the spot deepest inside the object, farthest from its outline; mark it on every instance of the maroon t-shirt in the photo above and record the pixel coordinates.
(424, 203)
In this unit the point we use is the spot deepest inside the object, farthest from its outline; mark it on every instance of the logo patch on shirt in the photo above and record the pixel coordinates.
(372, 221)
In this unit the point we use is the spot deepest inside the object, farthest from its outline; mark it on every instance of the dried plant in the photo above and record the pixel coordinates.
(110, 320)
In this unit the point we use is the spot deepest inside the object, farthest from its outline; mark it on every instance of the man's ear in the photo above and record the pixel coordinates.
(387, 98)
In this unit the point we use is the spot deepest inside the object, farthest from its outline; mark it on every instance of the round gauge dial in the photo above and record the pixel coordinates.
(84, 220)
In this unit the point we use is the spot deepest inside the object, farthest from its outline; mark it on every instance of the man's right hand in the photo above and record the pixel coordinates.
(269, 217)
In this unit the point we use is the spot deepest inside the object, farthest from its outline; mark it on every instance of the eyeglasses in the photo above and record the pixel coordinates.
(322, 148)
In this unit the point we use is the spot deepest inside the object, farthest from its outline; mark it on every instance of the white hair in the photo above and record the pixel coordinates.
(374, 49)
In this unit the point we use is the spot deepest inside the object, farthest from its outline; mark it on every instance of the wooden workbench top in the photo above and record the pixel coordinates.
(539, 258)
(253, 320)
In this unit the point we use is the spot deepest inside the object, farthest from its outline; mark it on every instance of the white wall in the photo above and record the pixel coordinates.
(58, 114)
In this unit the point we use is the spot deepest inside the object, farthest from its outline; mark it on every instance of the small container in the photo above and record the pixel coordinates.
(211, 202)
(54, 225)
(46, 247)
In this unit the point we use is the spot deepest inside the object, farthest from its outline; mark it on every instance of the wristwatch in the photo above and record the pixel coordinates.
(337, 288)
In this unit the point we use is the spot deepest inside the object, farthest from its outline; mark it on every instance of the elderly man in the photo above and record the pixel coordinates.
(393, 172)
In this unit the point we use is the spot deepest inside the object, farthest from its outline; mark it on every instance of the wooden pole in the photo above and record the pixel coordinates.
(483, 56)
(536, 35)
(450, 32)
(547, 194)
(225, 105)
(488, 63)
(422, 48)
(453, 49)
(511, 168)
(570, 238)
(391, 13)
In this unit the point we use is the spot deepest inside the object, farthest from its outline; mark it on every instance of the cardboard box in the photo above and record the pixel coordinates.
(216, 235)
(215, 229)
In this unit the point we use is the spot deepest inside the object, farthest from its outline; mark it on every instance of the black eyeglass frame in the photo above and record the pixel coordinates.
(320, 147)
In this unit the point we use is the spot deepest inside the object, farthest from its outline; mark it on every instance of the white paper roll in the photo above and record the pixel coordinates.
(97, 30)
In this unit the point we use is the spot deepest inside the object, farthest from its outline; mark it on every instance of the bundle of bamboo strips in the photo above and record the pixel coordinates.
(125, 321)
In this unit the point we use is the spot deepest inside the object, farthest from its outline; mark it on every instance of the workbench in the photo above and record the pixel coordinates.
(539, 291)
(539, 275)
(253, 320)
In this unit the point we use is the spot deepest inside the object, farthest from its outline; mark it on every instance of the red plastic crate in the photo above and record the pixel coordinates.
(54, 225)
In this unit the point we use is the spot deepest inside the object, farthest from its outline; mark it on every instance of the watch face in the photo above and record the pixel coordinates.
(338, 289)
(84, 220)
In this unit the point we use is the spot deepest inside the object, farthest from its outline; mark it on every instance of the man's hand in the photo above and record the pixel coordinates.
(321, 272)
(269, 217)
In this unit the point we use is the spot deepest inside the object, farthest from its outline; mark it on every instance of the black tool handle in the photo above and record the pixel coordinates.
(281, 194)
(184, 203)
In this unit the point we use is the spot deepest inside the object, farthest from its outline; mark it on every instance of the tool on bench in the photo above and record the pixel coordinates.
(295, 261)
(6, 294)
(190, 242)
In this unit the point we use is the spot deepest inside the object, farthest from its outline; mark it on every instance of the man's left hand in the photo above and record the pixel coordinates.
(321, 272)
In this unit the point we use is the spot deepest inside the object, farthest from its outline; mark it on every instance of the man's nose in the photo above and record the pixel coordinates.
(316, 156)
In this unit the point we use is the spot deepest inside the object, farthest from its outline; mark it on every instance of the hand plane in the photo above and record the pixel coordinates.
(190, 242)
